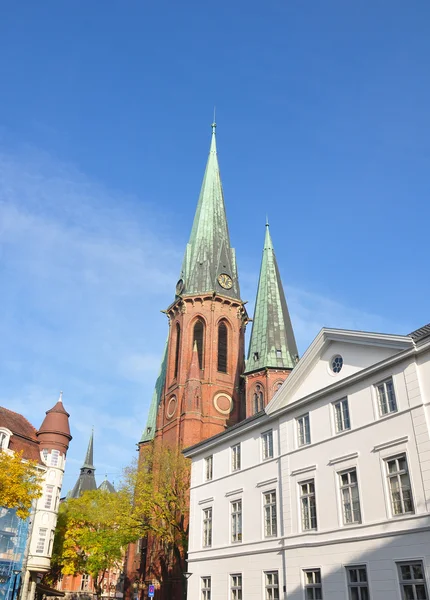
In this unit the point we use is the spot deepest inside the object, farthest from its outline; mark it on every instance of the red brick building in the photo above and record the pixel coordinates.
(205, 384)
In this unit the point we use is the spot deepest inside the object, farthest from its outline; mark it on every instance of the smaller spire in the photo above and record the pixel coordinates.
(89, 459)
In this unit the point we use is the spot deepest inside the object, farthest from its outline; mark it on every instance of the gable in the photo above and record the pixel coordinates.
(314, 371)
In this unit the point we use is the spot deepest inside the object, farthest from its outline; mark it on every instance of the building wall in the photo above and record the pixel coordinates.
(379, 541)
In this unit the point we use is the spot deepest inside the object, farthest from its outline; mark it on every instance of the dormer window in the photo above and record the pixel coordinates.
(278, 353)
(256, 355)
(4, 439)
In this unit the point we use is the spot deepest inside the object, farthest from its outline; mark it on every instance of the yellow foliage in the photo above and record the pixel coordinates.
(20, 483)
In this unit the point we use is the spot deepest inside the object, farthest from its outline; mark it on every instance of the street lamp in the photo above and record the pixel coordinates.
(186, 576)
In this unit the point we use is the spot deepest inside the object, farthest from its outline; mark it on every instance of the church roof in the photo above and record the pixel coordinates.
(86, 480)
(208, 253)
(272, 342)
(149, 431)
(106, 486)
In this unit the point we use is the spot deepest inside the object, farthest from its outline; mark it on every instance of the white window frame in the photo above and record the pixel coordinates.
(342, 418)
(270, 516)
(346, 489)
(55, 458)
(271, 585)
(5, 435)
(397, 476)
(41, 540)
(307, 494)
(313, 585)
(359, 584)
(267, 445)
(303, 430)
(206, 587)
(384, 407)
(236, 463)
(85, 582)
(236, 521)
(411, 582)
(207, 527)
(236, 586)
(209, 461)
(49, 496)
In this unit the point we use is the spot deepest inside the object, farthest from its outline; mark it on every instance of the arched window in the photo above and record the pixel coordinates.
(198, 338)
(178, 343)
(222, 347)
(258, 398)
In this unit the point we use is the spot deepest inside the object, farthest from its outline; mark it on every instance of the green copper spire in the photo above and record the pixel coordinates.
(272, 339)
(149, 432)
(208, 254)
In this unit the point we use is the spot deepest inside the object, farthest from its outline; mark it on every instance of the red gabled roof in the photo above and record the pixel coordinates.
(24, 434)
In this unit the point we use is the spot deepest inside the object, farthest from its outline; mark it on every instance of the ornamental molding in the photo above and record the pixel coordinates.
(206, 500)
(267, 482)
(303, 470)
(234, 492)
(396, 442)
(339, 459)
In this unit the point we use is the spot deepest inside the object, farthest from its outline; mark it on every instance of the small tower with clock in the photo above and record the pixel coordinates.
(202, 392)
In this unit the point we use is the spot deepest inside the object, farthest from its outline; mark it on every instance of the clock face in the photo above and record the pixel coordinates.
(225, 281)
(179, 286)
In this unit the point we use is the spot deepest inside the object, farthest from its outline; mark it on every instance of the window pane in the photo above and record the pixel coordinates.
(421, 592)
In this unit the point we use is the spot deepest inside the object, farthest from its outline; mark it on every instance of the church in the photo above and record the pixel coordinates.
(205, 385)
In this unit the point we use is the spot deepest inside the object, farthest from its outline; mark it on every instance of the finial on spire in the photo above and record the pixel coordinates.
(267, 221)
(214, 121)
(60, 399)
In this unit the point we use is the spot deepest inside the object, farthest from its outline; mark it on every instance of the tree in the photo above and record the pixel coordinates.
(160, 485)
(92, 533)
(20, 483)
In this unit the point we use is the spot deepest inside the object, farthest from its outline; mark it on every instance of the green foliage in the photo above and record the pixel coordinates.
(20, 483)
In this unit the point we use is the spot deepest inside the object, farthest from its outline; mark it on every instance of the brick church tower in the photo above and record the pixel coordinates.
(200, 389)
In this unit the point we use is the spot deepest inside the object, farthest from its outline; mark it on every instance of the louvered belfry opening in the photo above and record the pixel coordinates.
(198, 339)
(178, 343)
(222, 347)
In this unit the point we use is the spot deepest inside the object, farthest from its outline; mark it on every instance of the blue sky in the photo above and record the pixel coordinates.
(105, 112)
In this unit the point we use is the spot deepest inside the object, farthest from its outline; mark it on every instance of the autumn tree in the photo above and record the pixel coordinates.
(92, 533)
(20, 483)
(160, 485)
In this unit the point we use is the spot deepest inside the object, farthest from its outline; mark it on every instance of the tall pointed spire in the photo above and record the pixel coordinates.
(209, 263)
(272, 339)
(86, 480)
(149, 431)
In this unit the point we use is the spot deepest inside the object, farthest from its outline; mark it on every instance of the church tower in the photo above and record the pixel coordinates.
(198, 392)
(272, 350)
(86, 480)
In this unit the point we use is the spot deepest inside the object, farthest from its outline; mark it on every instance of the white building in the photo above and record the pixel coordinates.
(325, 494)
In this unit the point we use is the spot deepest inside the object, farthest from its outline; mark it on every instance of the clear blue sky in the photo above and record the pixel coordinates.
(105, 111)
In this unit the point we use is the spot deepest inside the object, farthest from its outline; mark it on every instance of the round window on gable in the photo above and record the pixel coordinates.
(336, 363)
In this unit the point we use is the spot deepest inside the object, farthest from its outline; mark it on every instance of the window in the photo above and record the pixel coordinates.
(278, 353)
(386, 397)
(236, 521)
(48, 496)
(313, 587)
(308, 506)
(350, 498)
(40, 546)
(222, 347)
(207, 527)
(177, 349)
(206, 588)
(358, 586)
(336, 363)
(399, 485)
(341, 415)
(303, 430)
(267, 444)
(55, 455)
(85, 582)
(45, 455)
(270, 523)
(412, 581)
(258, 398)
(236, 587)
(235, 457)
(208, 468)
(271, 585)
(198, 337)
(4, 440)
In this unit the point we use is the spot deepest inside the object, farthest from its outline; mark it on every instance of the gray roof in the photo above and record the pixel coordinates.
(107, 486)
(86, 481)
(421, 333)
